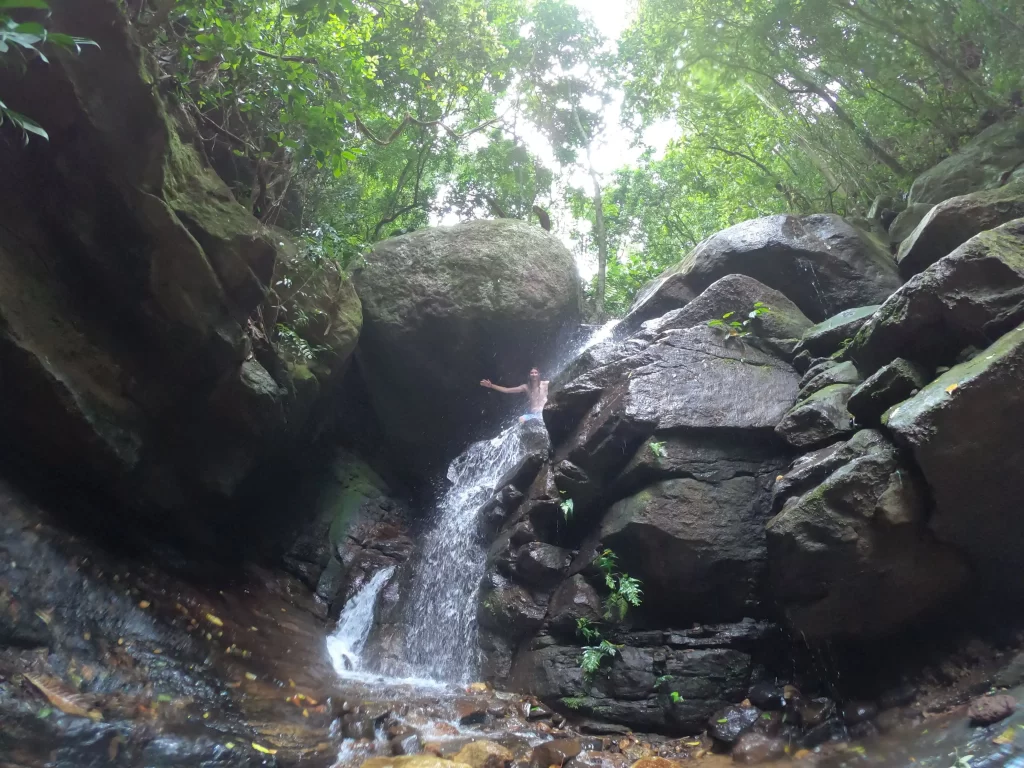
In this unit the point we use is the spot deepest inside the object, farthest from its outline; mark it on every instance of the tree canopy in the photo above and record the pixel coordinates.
(350, 121)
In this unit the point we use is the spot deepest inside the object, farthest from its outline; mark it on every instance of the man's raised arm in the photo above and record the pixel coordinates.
(507, 390)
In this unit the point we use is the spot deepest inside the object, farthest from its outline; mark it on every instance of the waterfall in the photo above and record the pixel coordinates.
(441, 639)
(346, 643)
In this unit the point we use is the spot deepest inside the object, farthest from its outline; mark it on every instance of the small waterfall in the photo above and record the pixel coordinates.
(441, 640)
(346, 643)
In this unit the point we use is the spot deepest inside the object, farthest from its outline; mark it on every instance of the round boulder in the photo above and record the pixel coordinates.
(448, 306)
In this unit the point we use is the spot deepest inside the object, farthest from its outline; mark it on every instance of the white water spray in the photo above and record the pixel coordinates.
(346, 643)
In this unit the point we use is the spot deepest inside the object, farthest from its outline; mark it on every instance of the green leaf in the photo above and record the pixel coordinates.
(37, 4)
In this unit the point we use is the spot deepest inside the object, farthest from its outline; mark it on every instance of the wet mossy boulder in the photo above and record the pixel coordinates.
(991, 159)
(822, 263)
(955, 221)
(131, 287)
(818, 419)
(889, 385)
(964, 431)
(737, 295)
(829, 335)
(852, 556)
(968, 298)
(448, 306)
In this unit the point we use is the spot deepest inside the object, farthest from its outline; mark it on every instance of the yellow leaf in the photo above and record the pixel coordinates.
(264, 750)
(780, 477)
(67, 702)
(250, 676)
(693, 743)
(144, 603)
(305, 713)
(214, 620)
(952, 388)
(206, 715)
(230, 745)
(1006, 737)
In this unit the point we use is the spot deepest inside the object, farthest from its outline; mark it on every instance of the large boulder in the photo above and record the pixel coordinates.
(822, 263)
(852, 555)
(819, 419)
(698, 546)
(968, 298)
(448, 306)
(132, 343)
(964, 430)
(781, 326)
(955, 221)
(905, 224)
(990, 160)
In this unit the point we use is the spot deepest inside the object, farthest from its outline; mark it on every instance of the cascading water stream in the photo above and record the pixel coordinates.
(346, 643)
(441, 639)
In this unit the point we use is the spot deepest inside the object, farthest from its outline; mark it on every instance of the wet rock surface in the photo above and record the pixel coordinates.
(829, 335)
(821, 263)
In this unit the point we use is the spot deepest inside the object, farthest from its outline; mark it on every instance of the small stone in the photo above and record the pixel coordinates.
(986, 710)
(598, 759)
(471, 711)
(754, 748)
(555, 752)
(484, 754)
(728, 724)
(815, 712)
(859, 712)
(767, 696)
(409, 744)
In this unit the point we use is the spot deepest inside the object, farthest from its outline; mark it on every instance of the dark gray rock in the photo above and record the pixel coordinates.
(826, 337)
(818, 367)
(436, 304)
(984, 163)
(841, 373)
(510, 610)
(699, 546)
(852, 556)
(905, 224)
(819, 419)
(815, 712)
(821, 263)
(955, 221)
(781, 327)
(728, 724)
(767, 696)
(541, 565)
(964, 430)
(755, 748)
(859, 711)
(970, 297)
(888, 386)
(574, 599)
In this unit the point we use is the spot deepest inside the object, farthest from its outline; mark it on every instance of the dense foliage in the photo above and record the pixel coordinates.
(349, 121)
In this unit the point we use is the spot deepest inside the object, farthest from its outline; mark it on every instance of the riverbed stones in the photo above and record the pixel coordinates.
(756, 748)
(977, 403)
(852, 556)
(484, 754)
(821, 263)
(412, 761)
(437, 303)
(953, 222)
(554, 752)
(889, 385)
(970, 297)
(986, 710)
(841, 373)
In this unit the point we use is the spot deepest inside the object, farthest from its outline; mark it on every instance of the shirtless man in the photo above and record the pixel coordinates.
(536, 390)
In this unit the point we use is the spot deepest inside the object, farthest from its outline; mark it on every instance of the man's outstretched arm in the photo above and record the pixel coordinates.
(507, 390)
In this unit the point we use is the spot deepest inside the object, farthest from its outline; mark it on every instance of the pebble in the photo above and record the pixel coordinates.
(986, 710)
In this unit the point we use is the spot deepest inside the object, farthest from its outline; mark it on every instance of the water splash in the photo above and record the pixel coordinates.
(441, 641)
(346, 643)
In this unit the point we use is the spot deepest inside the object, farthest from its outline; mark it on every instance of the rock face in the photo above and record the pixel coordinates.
(700, 546)
(978, 403)
(130, 284)
(955, 221)
(818, 419)
(851, 555)
(885, 388)
(449, 306)
(970, 297)
(821, 263)
(992, 159)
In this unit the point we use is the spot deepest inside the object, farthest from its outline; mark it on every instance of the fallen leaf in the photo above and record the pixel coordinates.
(230, 745)
(952, 388)
(67, 702)
(693, 743)
(305, 713)
(250, 676)
(215, 620)
(801, 754)
(113, 747)
(45, 616)
(264, 750)
(1006, 737)
(144, 603)
(780, 477)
